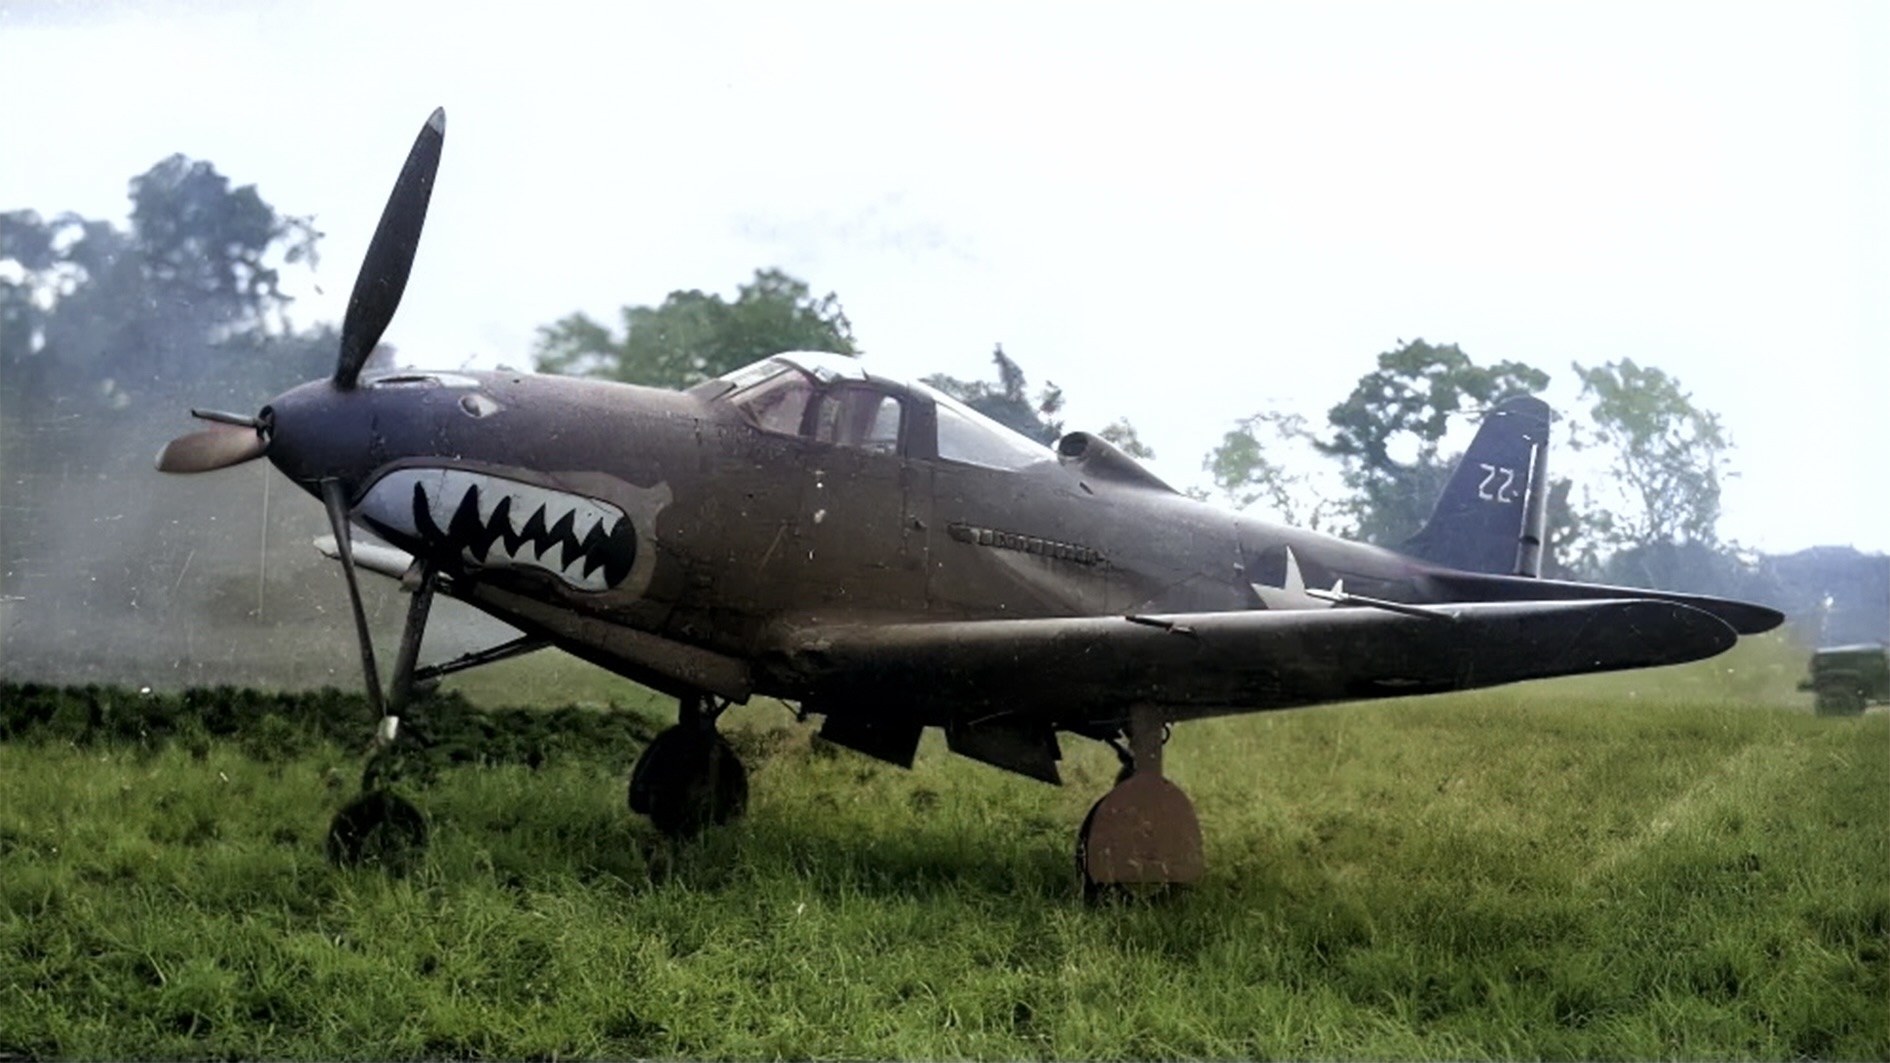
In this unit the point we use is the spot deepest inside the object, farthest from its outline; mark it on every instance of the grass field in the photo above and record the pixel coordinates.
(1684, 864)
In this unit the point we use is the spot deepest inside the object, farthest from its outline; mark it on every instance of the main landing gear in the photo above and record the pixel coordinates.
(1144, 832)
(689, 778)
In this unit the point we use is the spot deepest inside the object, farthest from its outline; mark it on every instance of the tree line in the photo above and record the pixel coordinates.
(1667, 457)
(187, 300)
(95, 317)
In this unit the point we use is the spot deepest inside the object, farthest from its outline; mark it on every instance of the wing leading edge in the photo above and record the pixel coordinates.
(1204, 664)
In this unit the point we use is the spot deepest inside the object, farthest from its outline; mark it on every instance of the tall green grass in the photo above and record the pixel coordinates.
(1677, 867)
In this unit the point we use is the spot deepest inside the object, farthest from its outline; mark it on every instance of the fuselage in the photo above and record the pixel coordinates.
(604, 516)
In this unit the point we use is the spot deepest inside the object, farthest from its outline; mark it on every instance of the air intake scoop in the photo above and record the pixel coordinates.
(1092, 455)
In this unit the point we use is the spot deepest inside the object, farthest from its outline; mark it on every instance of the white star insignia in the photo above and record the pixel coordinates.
(1291, 594)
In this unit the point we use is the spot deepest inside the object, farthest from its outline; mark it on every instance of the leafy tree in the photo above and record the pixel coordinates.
(694, 336)
(1266, 460)
(1669, 458)
(1386, 439)
(1405, 407)
(1127, 439)
(1658, 528)
(91, 314)
(202, 242)
(1005, 401)
(26, 247)
(1573, 547)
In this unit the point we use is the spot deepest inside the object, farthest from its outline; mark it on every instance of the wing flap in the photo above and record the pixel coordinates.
(1207, 663)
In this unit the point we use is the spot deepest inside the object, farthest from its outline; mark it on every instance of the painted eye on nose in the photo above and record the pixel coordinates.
(478, 405)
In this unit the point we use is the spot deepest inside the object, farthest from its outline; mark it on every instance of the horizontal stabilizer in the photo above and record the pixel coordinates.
(1743, 617)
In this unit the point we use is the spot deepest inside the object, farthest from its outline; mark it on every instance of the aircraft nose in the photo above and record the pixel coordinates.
(320, 432)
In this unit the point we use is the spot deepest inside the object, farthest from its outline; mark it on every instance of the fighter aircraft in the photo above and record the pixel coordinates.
(889, 560)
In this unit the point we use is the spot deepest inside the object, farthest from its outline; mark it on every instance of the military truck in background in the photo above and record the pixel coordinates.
(1848, 678)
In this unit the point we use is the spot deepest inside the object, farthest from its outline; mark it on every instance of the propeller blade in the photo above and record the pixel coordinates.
(337, 503)
(220, 417)
(383, 276)
(212, 448)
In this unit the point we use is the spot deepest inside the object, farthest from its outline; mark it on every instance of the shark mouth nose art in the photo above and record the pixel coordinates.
(494, 522)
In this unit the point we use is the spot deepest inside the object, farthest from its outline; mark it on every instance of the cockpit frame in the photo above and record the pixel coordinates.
(829, 398)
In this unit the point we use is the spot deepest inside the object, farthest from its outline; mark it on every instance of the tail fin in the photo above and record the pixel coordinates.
(1491, 515)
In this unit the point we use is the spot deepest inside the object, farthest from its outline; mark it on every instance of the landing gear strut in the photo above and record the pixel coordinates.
(1144, 831)
(381, 827)
(689, 778)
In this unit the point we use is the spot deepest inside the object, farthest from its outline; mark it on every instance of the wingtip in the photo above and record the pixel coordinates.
(1691, 634)
(1762, 619)
(437, 121)
(1609, 636)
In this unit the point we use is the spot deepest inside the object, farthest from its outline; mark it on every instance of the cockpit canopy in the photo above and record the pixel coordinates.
(830, 398)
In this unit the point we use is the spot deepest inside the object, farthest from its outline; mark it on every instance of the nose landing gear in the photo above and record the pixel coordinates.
(381, 827)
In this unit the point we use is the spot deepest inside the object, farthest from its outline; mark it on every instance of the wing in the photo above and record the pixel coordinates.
(1211, 663)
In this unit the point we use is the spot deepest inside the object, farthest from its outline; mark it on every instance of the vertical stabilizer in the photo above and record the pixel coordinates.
(1492, 514)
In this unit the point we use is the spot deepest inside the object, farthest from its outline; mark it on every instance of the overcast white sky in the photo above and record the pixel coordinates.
(1179, 213)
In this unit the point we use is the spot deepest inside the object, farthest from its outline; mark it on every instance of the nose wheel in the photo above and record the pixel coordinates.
(378, 829)
(689, 778)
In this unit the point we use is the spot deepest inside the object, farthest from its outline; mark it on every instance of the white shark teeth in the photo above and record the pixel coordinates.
(494, 522)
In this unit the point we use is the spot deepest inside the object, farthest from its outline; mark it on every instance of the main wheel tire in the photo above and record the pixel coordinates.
(688, 779)
(1082, 843)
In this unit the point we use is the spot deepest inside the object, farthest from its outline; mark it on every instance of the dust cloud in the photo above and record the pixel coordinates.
(112, 572)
